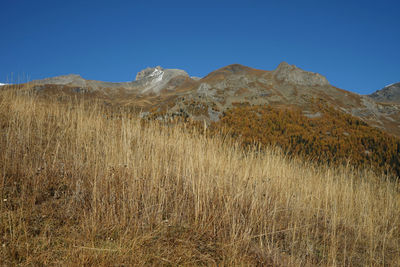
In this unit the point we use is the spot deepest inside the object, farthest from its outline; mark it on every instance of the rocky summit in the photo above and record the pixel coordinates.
(154, 80)
(172, 92)
(294, 75)
(390, 93)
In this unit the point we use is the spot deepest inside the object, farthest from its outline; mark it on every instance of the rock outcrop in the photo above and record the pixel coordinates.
(293, 75)
(155, 79)
(390, 93)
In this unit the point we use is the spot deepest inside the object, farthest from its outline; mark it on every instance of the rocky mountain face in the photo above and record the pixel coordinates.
(293, 75)
(388, 94)
(150, 80)
(156, 79)
(172, 92)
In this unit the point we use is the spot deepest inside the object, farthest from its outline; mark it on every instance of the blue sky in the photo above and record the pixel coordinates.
(355, 44)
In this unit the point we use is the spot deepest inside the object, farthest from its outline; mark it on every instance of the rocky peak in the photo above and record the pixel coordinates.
(156, 79)
(150, 73)
(235, 68)
(390, 93)
(294, 75)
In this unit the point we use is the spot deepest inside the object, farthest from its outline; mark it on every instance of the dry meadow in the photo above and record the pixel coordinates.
(82, 184)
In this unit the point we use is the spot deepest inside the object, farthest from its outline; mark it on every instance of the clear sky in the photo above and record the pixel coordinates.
(355, 44)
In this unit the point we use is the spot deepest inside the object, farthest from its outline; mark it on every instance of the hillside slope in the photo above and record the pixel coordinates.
(327, 137)
(87, 184)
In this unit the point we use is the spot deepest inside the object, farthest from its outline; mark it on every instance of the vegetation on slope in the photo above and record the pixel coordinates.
(80, 186)
(330, 137)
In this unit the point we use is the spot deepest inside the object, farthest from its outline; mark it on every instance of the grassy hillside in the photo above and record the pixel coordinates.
(327, 136)
(82, 186)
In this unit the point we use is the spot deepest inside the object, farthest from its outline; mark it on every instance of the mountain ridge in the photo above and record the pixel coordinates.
(172, 92)
(149, 80)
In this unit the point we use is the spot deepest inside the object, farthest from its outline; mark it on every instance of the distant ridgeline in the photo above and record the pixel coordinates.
(328, 136)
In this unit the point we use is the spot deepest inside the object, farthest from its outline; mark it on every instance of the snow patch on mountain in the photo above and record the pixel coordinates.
(389, 85)
(157, 76)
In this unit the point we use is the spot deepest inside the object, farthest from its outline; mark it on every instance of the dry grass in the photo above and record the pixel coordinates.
(82, 187)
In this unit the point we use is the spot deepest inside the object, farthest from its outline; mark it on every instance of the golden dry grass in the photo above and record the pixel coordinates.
(82, 187)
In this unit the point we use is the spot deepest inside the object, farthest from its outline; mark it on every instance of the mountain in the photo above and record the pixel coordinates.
(150, 80)
(388, 94)
(87, 184)
(172, 93)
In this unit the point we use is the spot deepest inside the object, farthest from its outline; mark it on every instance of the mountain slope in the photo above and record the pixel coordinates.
(172, 93)
(82, 186)
(389, 94)
(286, 86)
(329, 136)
